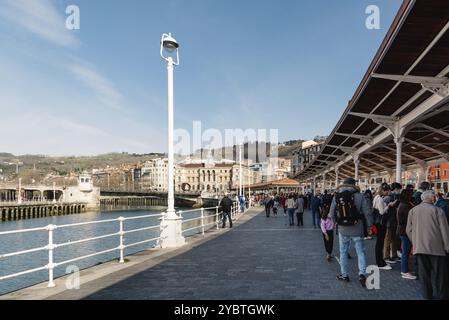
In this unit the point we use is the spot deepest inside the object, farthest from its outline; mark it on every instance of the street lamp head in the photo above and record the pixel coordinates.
(169, 43)
(170, 46)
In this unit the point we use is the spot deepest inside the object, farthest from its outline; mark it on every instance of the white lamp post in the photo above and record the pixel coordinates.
(249, 186)
(240, 172)
(171, 223)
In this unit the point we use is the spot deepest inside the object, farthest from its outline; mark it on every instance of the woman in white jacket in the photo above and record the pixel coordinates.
(381, 205)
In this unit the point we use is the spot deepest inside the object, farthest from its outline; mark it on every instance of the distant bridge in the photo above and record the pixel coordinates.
(159, 194)
(182, 199)
(8, 192)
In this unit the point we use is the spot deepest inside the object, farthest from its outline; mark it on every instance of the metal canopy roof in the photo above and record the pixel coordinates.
(405, 84)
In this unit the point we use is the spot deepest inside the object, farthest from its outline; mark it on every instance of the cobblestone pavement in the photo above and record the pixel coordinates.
(260, 259)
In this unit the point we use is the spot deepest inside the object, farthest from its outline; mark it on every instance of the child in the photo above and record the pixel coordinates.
(327, 227)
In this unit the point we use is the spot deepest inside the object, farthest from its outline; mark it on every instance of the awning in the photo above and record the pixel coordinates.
(403, 98)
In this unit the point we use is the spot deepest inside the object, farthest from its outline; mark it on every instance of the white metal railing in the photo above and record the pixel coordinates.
(235, 210)
(51, 246)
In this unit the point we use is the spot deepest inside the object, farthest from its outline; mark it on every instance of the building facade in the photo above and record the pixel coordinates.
(204, 176)
(439, 177)
(302, 157)
(154, 175)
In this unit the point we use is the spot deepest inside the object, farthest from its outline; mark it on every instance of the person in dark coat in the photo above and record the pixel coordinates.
(315, 206)
(424, 186)
(226, 206)
(405, 205)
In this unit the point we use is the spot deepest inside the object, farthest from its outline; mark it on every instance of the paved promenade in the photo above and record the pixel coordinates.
(261, 258)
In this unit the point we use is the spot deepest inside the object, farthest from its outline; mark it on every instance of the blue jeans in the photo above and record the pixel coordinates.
(345, 242)
(316, 218)
(291, 212)
(406, 249)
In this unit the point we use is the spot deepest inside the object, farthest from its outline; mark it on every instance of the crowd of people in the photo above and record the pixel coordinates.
(405, 222)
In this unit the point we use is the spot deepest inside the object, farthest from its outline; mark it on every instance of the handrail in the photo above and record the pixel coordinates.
(193, 210)
(51, 246)
(23, 231)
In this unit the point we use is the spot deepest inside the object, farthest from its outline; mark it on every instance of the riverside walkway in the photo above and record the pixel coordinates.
(260, 258)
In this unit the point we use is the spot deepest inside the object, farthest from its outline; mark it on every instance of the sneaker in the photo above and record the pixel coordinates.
(343, 278)
(397, 259)
(362, 280)
(390, 261)
(387, 267)
(408, 275)
(399, 253)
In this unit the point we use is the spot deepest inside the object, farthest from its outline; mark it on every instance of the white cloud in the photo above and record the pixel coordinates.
(41, 18)
(78, 128)
(106, 93)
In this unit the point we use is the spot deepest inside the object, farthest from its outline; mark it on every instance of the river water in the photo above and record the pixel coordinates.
(24, 241)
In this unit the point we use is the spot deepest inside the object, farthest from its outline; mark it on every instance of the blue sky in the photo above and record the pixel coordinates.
(291, 65)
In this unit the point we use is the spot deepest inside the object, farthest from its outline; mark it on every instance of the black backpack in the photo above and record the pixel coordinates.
(346, 213)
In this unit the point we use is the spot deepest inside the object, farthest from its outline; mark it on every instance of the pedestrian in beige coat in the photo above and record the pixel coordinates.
(428, 229)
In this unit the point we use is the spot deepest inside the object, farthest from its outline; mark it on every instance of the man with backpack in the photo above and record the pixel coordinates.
(350, 210)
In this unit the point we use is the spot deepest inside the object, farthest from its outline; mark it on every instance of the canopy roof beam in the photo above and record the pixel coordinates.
(439, 131)
(445, 156)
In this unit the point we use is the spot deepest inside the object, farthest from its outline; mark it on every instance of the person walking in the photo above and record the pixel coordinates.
(300, 210)
(242, 203)
(226, 205)
(268, 204)
(428, 229)
(276, 207)
(443, 204)
(326, 201)
(290, 205)
(283, 204)
(424, 186)
(405, 205)
(315, 207)
(381, 205)
(327, 228)
(391, 241)
(348, 209)
(369, 198)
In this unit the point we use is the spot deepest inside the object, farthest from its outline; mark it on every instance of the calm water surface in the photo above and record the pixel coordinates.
(23, 241)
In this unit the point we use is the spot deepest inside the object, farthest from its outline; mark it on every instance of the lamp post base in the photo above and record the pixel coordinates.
(171, 231)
